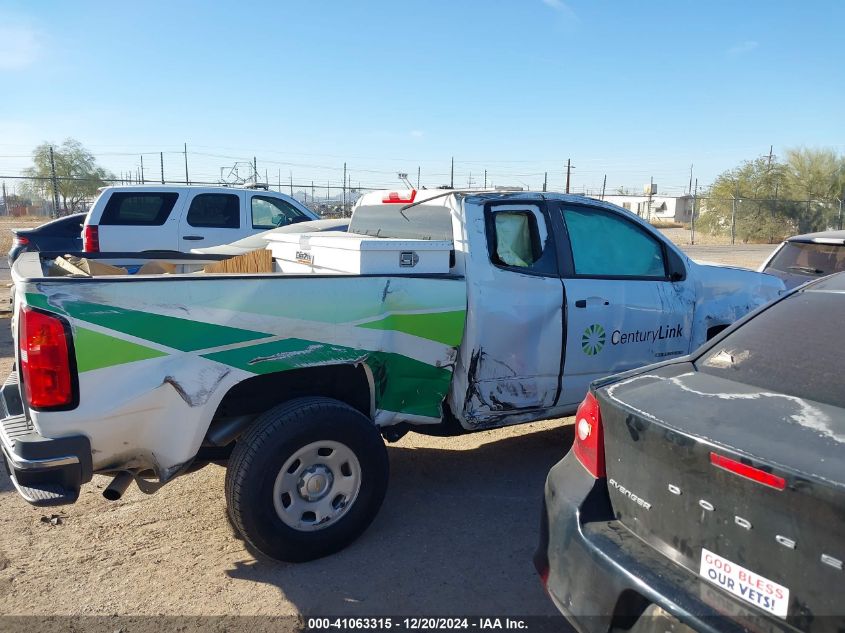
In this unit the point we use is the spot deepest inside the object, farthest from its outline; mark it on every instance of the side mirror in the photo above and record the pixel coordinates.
(677, 270)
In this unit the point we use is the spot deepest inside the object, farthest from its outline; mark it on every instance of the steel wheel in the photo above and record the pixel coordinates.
(306, 479)
(317, 485)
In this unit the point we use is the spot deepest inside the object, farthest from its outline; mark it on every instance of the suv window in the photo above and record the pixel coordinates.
(138, 208)
(783, 350)
(215, 210)
(518, 239)
(269, 212)
(607, 245)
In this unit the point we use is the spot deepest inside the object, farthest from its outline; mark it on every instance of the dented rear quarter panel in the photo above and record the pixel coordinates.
(156, 356)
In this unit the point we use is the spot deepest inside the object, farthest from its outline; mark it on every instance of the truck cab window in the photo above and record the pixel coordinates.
(516, 243)
(517, 238)
(606, 245)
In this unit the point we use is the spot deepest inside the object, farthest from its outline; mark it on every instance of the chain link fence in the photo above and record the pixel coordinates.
(720, 220)
(765, 220)
(25, 196)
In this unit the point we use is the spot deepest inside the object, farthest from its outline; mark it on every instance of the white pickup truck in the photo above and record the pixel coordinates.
(295, 378)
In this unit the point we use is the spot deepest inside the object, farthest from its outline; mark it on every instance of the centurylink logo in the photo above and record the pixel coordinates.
(592, 341)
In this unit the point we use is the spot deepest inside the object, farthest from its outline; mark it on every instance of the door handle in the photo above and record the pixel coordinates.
(593, 301)
(193, 237)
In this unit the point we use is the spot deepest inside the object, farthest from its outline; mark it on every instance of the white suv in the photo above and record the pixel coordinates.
(173, 218)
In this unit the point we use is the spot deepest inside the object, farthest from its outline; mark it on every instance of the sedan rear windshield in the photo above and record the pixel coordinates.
(138, 208)
(791, 348)
(813, 260)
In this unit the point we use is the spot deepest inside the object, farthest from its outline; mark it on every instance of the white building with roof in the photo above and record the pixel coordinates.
(667, 208)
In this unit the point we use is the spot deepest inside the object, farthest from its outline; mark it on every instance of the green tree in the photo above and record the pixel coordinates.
(754, 193)
(816, 177)
(79, 176)
(773, 199)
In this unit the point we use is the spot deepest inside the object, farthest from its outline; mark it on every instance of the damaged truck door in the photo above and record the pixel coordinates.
(517, 301)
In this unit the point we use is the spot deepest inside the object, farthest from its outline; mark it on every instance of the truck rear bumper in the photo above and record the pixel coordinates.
(45, 471)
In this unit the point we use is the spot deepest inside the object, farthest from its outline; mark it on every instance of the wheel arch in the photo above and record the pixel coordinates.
(713, 330)
(352, 384)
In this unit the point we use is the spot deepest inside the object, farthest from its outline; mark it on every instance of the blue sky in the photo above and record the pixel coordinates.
(627, 89)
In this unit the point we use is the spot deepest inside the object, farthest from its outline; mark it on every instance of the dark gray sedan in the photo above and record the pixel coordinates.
(63, 234)
(708, 493)
(802, 258)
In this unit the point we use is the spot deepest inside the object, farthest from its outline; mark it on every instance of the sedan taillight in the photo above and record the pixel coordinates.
(589, 437)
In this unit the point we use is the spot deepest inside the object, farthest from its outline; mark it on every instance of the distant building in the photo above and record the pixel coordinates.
(669, 208)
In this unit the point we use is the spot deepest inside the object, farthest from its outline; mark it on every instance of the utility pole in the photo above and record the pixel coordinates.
(689, 189)
(775, 208)
(161, 156)
(254, 169)
(771, 148)
(694, 201)
(733, 214)
(6, 202)
(485, 179)
(603, 186)
(312, 193)
(55, 184)
(452, 179)
(418, 176)
(143, 181)
(344, 189)
(568, 172)
(545, 179)
(291, 183)
(187, 179)
(650, 190)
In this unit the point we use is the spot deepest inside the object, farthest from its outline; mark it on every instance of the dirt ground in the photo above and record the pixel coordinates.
(455, 536)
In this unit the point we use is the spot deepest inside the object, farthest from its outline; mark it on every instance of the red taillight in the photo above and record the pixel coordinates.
(394, 197)
(45, 361)
(20, 240)
(91, 238)
(749, 472)
(544, 578)
(589, 439)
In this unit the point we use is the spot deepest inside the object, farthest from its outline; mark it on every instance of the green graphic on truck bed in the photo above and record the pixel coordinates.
(183, 334)
(292, 353)
(404, 330)
(445, 327)
(401, 383)
(95, 350)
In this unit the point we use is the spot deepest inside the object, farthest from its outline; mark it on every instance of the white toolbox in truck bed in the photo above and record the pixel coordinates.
(357, 254)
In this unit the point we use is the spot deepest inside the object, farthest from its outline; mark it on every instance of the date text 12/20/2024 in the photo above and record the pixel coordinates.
(419, 624)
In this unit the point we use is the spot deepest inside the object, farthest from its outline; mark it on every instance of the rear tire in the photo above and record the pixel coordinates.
(306, 479)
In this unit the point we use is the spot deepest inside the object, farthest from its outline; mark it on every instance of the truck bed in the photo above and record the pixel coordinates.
(166, 349)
